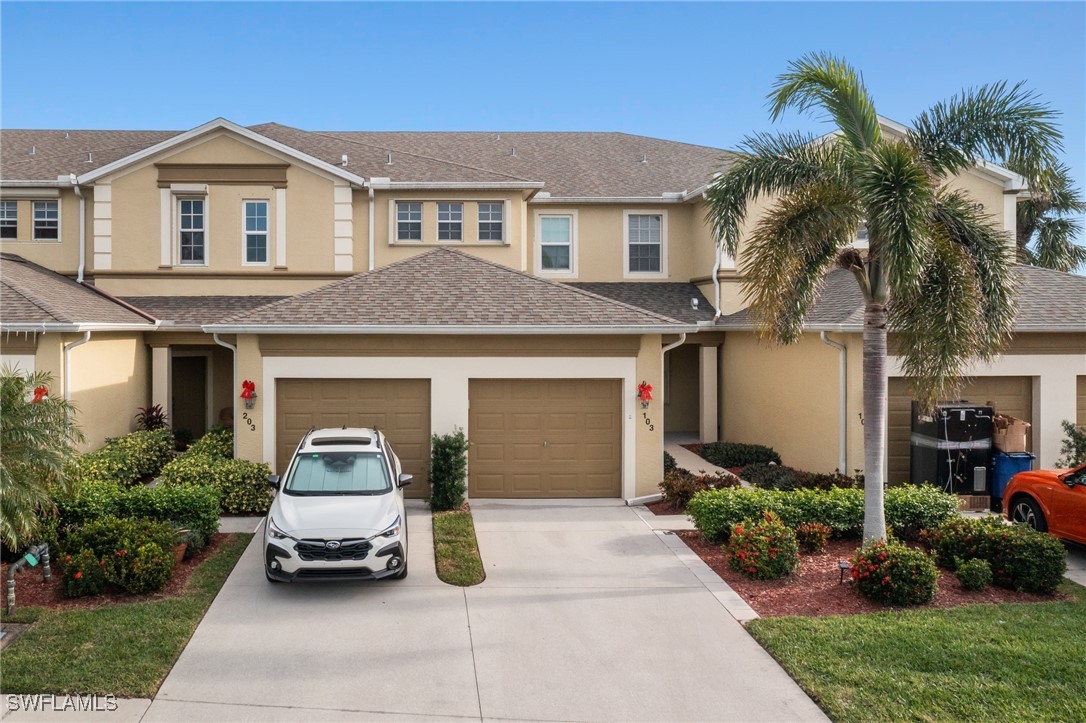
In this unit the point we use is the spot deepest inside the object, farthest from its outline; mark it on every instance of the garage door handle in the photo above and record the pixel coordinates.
(544, 443)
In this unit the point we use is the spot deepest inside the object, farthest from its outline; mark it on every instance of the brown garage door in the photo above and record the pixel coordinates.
(398, 407)
(1081, 402)
(1009, 395)
(545, 438)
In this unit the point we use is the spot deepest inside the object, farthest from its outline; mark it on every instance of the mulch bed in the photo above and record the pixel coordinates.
(31, 590)
(663, 508)
(813, 589)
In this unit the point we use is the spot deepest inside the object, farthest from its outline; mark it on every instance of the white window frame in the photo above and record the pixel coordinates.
(571, 214)
(246, 233)
(626, 273)
(479, 221)
(178, 230)
(34, 221)
(396, 221)
(4, 218)
(437, 227)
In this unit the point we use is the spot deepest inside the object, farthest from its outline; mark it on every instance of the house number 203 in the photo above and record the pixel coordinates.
(648, 422)
(249, 420)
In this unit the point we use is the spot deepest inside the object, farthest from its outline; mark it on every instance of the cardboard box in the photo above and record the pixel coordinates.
(1010, 433)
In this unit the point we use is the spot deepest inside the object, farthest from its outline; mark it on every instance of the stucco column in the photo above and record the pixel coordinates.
(707, 397)
(1055, 400)
(160, 379)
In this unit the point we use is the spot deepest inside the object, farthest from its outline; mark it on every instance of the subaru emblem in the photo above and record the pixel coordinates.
(332, 545)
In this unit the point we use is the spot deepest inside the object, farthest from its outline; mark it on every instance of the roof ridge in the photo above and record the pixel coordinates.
(553, 283)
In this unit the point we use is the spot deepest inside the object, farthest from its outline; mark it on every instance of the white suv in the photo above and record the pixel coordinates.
(339, 511)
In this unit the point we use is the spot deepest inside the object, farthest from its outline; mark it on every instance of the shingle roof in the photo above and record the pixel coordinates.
(195, 311)
(1049, 300)
(568, 164)
(447, 288)
(31, 294)
(661, 297)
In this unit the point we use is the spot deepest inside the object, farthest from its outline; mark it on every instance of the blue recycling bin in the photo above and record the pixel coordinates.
(1007, 465)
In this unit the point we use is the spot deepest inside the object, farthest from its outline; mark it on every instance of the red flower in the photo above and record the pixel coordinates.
(78, 574)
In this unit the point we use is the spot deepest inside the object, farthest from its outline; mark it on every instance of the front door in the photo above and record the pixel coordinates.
(189, 395)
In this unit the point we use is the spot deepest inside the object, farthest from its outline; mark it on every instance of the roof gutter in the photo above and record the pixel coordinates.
(234, 355)
(670, 198)
(842, 401)
(82, 228)
(437, 329)
(371, 222)
(384, 184)
(52, 327)
(68, 364)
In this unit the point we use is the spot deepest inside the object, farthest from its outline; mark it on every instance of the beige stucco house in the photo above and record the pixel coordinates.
(521, 286)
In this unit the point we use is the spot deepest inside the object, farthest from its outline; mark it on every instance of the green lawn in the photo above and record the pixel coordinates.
(1012, 662)
(456, 549)
(126, 650)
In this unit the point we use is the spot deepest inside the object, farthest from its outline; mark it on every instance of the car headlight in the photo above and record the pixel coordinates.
(392, 530)
(275, 533)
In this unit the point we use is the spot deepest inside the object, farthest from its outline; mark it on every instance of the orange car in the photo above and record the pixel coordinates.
(1049, 500)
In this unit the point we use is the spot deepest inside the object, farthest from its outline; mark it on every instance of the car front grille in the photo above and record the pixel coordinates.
(318, 550)
(334, 573)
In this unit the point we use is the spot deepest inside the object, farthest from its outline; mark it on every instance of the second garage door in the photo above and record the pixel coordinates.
(398, 407)
(1009, 395)
(545, 438)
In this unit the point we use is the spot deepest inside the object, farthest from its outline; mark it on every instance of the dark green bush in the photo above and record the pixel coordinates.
(812, 536)
(218, 442)
(779, 477)
(128, 459)
(1073, 446)
(82, 574)
(194, 507)
(975, 574)
(118, 543)
(242, 485)
(715, 512)
(679, 486)
(669, 463)
(448, 470)
(734, 454)
(1021, 558)
(893, 574)
(763, 549)
(149, 569)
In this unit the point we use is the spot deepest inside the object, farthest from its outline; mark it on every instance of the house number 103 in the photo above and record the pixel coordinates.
(648, 422)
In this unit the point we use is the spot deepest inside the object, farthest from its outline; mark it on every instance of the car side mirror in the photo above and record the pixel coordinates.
(405, 479)
(273, 481)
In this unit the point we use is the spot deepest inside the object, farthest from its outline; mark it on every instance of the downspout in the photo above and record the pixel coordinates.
(371, 230)
(842, 380)
(716, 278)
(82, 228)
(233, 386)
(669, 347)
(68, 364)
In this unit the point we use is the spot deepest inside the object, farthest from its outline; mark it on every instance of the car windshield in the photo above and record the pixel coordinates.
(338, 473)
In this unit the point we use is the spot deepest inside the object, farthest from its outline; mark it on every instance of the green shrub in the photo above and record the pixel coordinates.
(763, 549)
(893, 574)
(975, 574)
(734, 454)
(128, 459)
(779, 477)
(1021, 558)
(679, 486)
(448, 470)
(108, 464)
(82, 574)
(1073, 446)
(195, 507)
(812, 536)
(242, 485)
(118, 543)
(151, 418)
(218, 442)
(669, 463)
(715, 512)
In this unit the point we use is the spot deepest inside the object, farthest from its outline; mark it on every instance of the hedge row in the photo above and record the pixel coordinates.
(734, 454)
(127, 459)
(242, 485)
(909, 509)
(779, 477)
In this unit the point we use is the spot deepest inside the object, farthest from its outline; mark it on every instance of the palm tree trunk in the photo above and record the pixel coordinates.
(875, 395)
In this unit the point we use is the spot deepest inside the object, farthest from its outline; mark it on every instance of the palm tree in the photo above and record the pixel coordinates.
(936, 270)
(37, 434)
(1046, 222)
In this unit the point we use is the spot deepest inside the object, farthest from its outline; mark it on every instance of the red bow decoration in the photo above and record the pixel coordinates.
(40, 394)
(248, 389)
(644, 392)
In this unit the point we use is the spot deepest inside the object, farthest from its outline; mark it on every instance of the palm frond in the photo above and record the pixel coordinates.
(825, 82)
(769, 164)
(1005, 124)
(897, 193)
(790, 251)
(1055, 246)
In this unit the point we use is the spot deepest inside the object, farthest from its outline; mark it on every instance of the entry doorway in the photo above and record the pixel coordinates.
(189, 396)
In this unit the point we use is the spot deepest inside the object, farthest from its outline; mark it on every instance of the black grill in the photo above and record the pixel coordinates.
(317, 551)
(327, 573)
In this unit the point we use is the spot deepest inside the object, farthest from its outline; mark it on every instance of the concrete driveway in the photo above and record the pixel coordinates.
(586, 615)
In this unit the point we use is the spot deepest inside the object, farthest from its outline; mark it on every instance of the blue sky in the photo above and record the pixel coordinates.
(691, 72)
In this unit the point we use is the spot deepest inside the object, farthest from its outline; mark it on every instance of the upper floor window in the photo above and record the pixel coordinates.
(46, 220)
(556, 239)
(9, 219)
(450, 222)
(192, 241)
(645, 237)
(408, 221)
(490, 221)
(256, 232)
